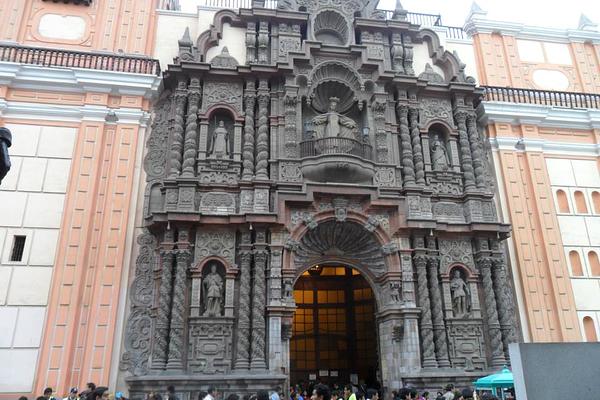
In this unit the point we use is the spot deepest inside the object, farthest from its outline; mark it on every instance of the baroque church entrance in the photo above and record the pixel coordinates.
(334, 328)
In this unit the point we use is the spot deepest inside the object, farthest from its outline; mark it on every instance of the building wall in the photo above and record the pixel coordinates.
(72, 190)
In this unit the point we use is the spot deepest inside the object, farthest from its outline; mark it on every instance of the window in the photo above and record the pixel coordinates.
(594, 263)
(589, 329)
(580, 203)
(596, 201)
(563, 203)
(18, 248)
(576, 268)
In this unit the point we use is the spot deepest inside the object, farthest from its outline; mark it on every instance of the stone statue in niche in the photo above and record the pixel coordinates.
(461, 304)
(213, 293)
(395, 292)
(439, 156)
(333, 124)
(288, 290)
(219, 147)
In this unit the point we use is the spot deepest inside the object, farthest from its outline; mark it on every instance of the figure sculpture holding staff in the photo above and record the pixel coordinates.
(460, 291)
(213, 293)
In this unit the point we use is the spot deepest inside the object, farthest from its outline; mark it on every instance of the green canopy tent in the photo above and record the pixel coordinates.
(496, 382)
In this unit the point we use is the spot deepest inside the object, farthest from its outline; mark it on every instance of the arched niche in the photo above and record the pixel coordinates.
(156, 201)
(220, 141)
(212, 277)
(331, 27)
(440, 149)
(462, 291)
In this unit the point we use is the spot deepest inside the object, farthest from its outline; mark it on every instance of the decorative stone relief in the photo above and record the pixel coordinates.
(444, 182)
(435, 109)
(340, 211)
(397, 53)
(455, 251)
(224, 60)
(215, 243)
(155, 162)
(419, 207)
(217, 203)
(210, 346)
(385, 177)
(290, 172)
(466, 345)
(430, 75)
(371, 224)
(216, 92)
(445, 211)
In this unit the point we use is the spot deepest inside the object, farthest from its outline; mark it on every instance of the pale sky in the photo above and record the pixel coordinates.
(548, 13)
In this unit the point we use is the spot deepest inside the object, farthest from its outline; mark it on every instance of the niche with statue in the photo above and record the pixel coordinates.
(441, 160)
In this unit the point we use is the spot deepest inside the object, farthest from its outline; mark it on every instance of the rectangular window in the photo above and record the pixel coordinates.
(18, 248)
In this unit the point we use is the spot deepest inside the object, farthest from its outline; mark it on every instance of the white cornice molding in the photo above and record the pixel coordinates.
(476, 24)
(77, 80)
(532, 114)
(69, 113)
(512, 143)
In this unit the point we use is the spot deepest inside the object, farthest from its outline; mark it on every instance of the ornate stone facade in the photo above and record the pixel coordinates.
(251, 163)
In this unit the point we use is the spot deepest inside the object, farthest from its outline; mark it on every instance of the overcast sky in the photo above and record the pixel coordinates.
(549, 13)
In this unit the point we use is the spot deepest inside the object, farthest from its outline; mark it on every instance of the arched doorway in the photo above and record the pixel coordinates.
(334, 333)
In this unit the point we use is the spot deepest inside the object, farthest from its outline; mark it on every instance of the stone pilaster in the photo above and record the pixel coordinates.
(476, 151)
(263, 42)
(466, 162)
(248, 150)
(408, 167)
(425, 325)
(262, 143)
(242, 359)
(190, 145)
(259, 295)
(161, 336)
(505, 303)
(408, 56)
(176, 154)
(251, 42)
(291, 141)
(439, 328)
(381, 143)
(485, 266)
(397, 53)
(177, 327)
(415, 136)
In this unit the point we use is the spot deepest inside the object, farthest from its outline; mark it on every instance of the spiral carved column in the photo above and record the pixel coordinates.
(408, 167)
(242, 360)
(259, 299)
(426, 326)
(190, 145)
(177, 329)
(262, 143)
(415, 135)
(439, 328)
(161, 342)
(476, 151)
(178, 129)
(466, 162)
(504, 300)
(485, 265)
(248, 150)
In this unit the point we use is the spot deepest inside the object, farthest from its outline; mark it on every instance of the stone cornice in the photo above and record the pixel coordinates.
(475, 25)
(546, 146)
(77, 80)
(532, 114)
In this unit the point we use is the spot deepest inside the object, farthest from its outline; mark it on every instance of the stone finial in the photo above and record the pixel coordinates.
(224, 60)
(399, 12)
(586, 24)
(186, 40)
(186, 46)
(476, 12)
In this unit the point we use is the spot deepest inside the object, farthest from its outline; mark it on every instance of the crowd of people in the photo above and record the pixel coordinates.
(298, 392)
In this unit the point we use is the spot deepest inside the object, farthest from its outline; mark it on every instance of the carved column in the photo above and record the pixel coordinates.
(242, 360)
(415, 135)
(408, 56)
(504, 300)
(381, 144)
(251, 43)
(263, 42)
(161, 336)
(485, 265)
(476, 151)
(177, 328)
(262, 143)
(291, 143)
(397, 53)
(248, 152)
(408, 167)
(259, 295)
(190, 146)
(425, 325)
(466, 162)
(176, 155)
(439, 329)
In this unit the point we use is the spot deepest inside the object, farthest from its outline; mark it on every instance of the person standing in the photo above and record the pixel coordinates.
(72, 394)
(321, 392)
(211, 393)
(348, 392)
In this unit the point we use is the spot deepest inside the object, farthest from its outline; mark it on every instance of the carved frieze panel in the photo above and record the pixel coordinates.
(446, 211)
(419, 207)
(455, 251)
(435, 109)
(290, 172)
(346, 7)
(222, 92)
(218, 203)
(385, 177)
(210, 344)
(444, 182)
(466, 344)
(215, 243)
(155, 162)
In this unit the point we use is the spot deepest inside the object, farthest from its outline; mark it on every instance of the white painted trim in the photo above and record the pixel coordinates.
(545, 146)
(69, 113)
(475, 24)
(77, 80)
(533, 114)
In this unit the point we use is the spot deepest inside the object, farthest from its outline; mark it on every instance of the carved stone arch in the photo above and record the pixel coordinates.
(331, 26)
(441, 125)
(334, 78)
(469, 273)
(210, 37)
(448, 62)
(222, 107)
(199, 266)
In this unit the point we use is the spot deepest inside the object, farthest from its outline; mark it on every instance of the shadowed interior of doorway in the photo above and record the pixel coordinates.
(334, 331)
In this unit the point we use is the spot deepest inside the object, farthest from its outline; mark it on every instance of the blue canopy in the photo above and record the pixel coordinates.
(504, 379)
